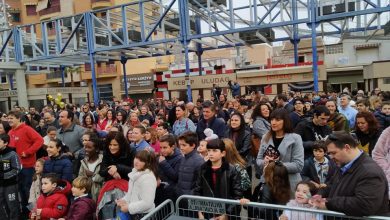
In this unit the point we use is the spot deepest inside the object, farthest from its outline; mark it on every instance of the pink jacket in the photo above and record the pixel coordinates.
(381, 153)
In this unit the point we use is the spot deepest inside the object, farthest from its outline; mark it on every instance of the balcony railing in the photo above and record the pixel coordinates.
(51, 10)
(111, 69)
(95, 1)
(55, 75)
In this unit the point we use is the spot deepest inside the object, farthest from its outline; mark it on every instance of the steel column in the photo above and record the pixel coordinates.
(314, 42)
(91, 53)
(62, 69)
(295, 39)
(123, 62)
(199, 49)
(184, 31)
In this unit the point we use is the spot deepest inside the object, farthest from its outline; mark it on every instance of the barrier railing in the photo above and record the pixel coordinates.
(161, 212)
(198, 207)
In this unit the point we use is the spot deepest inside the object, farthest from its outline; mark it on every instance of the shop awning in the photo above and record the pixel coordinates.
(42, 4)
(31, 2)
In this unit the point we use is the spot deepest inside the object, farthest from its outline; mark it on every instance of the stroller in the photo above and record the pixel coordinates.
(111, 190)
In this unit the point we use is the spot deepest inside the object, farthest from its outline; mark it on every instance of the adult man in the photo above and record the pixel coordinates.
(282, 102)
(297, 115)
(314, 129)
(359, 187)
(209, 120)
(235, 87)
(162, 129)
(34, 115)
(70, 133)
(363, 105)
(27, 142)
(347, 110)
(50, 120)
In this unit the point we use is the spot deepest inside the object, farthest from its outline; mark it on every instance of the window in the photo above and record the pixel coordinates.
(31, 10)
(301, 59)
(4, 80)
(334, 49)
(15, 17)
(386, 80)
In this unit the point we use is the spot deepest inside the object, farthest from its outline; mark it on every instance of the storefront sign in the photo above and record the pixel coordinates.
(201, 82)
(6, 94)
(54, 90)
(139, 81)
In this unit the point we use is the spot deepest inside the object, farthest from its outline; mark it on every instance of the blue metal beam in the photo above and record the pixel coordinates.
(268, 12)
(371, 3)
(352, 13)
(88, 17)
(72, 34)
(313, 23)
(5, 43)
(160, 20)
(123, 62)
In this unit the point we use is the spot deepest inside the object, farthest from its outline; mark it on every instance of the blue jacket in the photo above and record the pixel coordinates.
(215, 124)
(61, 166)
(384, 120)
(168, 170)
(235, 89)
(188, 170)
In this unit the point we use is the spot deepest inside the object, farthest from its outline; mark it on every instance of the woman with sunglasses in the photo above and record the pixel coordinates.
(281, 144)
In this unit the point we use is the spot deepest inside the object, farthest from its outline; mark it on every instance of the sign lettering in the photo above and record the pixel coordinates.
(207, 206)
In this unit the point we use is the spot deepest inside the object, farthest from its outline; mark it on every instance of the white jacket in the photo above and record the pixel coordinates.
(141, 193)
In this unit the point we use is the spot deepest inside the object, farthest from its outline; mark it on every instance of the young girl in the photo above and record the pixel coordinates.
(90, 165)
(58, 163)
(202, 149)
(152, 138)
(303, 193)
(139, 200)
(35, 189)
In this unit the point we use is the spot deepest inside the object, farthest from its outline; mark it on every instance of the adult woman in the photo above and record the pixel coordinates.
(260, 117)
(375, 103)
(195, 117)
(117, 157)
(101, 125)
(298, 113)
(111, 120)
(281, 144)
(366, 131)
(139, 200)
(145, 115)
(121, 117)
(88, 121)
(240, 136)
(337, 121)
(152, 138)
(182, 123)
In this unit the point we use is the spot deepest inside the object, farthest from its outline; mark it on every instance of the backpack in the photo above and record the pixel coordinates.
(245, 179)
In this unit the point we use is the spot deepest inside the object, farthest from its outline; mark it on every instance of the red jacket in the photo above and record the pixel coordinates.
(82, 209)
(112, 184)
(55, 204)
(26, 140)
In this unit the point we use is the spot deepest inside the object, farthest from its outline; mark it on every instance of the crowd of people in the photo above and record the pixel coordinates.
(319, 151)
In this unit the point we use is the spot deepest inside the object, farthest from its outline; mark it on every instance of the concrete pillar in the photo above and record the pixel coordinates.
(20, 77)
(195, 94)
(206, 94)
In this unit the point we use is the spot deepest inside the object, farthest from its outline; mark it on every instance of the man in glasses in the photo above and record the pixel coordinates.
(359, 187)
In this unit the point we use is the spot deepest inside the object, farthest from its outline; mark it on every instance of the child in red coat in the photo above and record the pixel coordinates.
(53, 202)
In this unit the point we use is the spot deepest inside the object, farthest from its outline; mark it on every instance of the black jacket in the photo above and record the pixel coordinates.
(189, 167)
(309, 171)
(10, 167)
(228, 185)
(361, 191)
(60, 165)
(215, 124)
(168, 170)
(123, 162)
(242, 142)
(309, 133)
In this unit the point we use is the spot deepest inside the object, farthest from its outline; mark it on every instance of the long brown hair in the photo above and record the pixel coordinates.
(232, 155)
(280, 114)
(42, 162)
(149, 159)
(153, 135)
(276, 177)
(373, 124)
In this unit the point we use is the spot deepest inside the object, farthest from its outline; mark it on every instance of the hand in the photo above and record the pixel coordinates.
(221, 217)
(318, 202)
(117, 176)
(112, 170)
(316, 184)
(61, 219)
(33, 216)
(323, 185)
(244, 201)
(200, 215)
(23, 155)
(161, 159)
(283, 217)
(39, 212)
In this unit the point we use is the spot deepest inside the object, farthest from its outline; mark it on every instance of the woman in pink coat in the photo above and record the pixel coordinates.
(381, 153)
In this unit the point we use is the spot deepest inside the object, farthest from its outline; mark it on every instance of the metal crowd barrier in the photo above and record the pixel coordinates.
(161, 212)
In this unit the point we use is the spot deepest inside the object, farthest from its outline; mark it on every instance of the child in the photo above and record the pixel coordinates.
(217, 178)
(35, 189)
(53, 202)
(90, 165)
(318, 168)
(383, 116)
(202, 149)
(139, 200)
(58, 163)
(10, 168)
(83, 207)
(303, 193)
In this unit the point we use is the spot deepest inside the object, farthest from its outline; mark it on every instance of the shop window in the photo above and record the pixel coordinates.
(105, 92)
(386, 80)
(31, 10)
(301, 59)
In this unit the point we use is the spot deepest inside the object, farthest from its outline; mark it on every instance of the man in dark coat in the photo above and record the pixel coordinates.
(359, 187)
(209, 120)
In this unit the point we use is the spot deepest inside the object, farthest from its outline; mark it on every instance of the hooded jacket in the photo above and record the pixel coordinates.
(61, 165)
(97, 180)
(82, 209)
(54, 204)
(9, 167)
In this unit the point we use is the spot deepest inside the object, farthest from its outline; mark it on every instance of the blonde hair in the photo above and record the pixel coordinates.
(232, 155)
(42, 162)
(82, 182)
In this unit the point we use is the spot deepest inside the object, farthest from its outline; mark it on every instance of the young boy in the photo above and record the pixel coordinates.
(83, 207)
(9, 170)
(53, 202)
(217, 178)
(190, 164)
(139, 139)
(168, 167)
(383, 116)
(318, 168)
